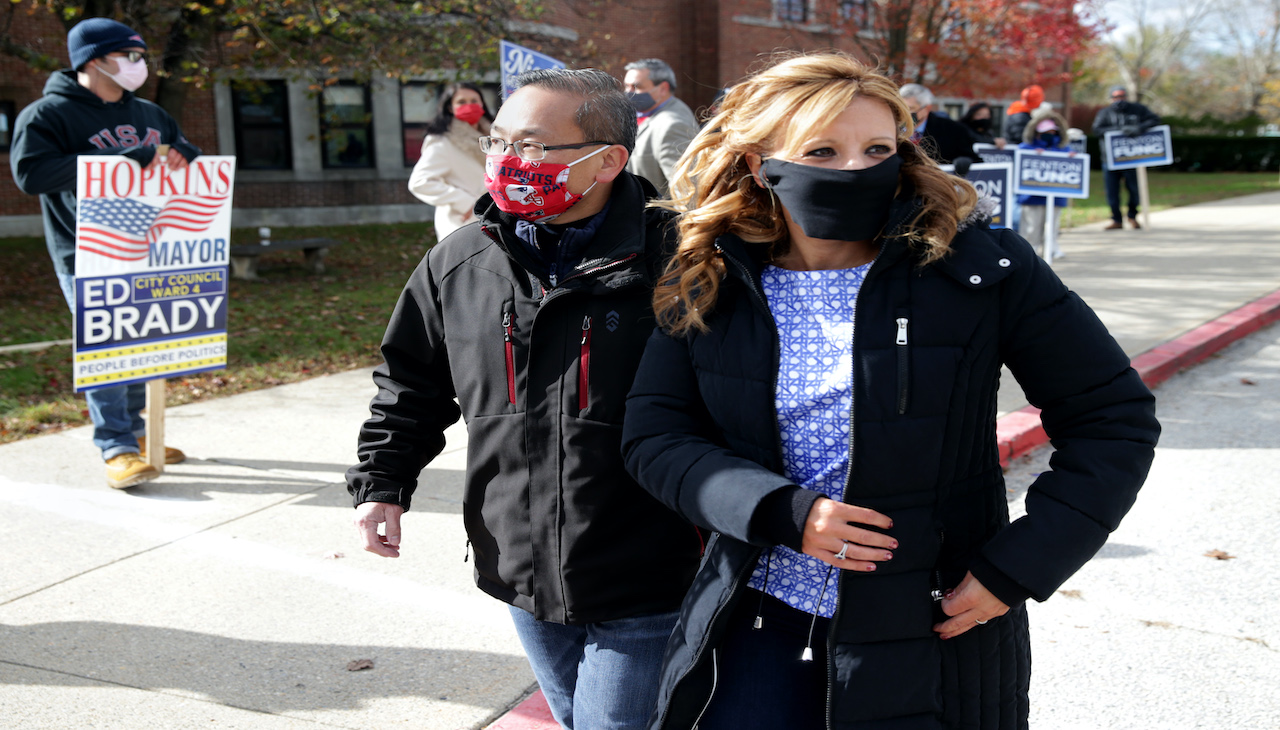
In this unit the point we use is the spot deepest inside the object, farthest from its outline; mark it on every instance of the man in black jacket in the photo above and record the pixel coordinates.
(90, 109)
(534, 318)
(1130, 119)
(945, 140)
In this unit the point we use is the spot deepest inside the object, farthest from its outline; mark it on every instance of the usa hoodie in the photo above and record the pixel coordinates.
(68, 121)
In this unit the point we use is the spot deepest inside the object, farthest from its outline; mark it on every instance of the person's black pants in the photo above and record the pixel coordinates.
(761, 681)
(1112, 178)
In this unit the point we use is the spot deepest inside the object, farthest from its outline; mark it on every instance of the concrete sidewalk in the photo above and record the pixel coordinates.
(232, 590)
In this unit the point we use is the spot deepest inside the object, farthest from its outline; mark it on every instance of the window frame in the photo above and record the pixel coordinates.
(367, 126)
(285, 124)
(784, 11)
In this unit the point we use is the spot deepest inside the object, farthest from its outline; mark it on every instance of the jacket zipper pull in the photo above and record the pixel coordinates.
(902, 331)
(904, 374)
(506, 326)
(586, 328)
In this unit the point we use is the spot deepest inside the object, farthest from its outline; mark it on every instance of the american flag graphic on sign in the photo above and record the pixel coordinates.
(124, 229)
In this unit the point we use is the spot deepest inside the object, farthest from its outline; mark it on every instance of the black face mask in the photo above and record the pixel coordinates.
(839, 205)
(1050, 139)
(641, 100)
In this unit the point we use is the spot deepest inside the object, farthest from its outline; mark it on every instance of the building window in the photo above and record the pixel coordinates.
(857, 13)
(6, 124)
(261, 111)
(419, 104)
(791, 11)
(346, 126)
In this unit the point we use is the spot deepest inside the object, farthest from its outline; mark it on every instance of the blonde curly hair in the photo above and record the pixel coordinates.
(772, 112)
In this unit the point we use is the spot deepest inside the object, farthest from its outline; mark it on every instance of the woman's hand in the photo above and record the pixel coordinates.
(968, 604)
(828, 533)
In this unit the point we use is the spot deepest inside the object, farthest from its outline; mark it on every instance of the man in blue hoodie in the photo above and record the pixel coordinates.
(90, 109)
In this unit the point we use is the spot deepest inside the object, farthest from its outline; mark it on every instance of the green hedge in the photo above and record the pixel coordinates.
(1214, 154)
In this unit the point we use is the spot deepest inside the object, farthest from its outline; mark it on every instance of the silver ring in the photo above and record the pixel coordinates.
(843, 550)
(980, 623)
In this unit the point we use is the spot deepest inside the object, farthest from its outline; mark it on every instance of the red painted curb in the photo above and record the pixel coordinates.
(531, 714)
(1020, 432)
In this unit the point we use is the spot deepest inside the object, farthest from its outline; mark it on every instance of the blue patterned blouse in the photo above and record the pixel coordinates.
(813, 311)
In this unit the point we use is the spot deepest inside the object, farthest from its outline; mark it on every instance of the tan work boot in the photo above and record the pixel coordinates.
(126, 470)
(1133, 223)
(1113, 226)
(171, 455)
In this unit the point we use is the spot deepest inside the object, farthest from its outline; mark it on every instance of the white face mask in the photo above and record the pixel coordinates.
(130, 76)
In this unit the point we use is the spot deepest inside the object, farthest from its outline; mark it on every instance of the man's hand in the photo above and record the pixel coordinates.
(967, 605)
(829, 536)
(371, 514)
(167, 156)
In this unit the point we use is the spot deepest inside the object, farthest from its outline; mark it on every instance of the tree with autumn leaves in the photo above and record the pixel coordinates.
(971, 47)
(198, 40)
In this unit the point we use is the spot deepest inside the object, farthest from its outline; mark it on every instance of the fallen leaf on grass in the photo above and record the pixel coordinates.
(359, 665)
(1247, 381)
(1219, 554)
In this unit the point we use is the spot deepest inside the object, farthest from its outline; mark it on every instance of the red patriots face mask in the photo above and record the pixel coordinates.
(532, 191)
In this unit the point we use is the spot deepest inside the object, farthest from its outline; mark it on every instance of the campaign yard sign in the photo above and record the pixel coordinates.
(994, 182)
(516, 60)
(151, 269)
(992, 154)
(1152, 148)
(1060, 174)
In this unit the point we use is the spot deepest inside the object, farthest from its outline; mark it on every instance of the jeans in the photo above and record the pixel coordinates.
(1112, 178)
(1033, 228)
(761, 681)
(601, 676)
(116, 411)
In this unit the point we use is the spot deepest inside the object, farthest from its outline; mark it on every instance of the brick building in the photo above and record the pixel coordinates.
(344, 156)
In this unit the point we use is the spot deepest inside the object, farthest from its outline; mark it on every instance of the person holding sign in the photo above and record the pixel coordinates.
(822, 395)
(91, 109)
(1045, 132)
(1131, 119)
(530, 325)
(450, 170)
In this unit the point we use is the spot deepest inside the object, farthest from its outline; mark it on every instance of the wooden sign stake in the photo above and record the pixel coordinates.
(155, 423)
(1144, 198)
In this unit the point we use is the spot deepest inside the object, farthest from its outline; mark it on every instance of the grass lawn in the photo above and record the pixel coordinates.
(289, 326)
(1170, 190)
(293, 325)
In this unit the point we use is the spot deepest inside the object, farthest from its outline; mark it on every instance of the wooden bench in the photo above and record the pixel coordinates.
(244, 259)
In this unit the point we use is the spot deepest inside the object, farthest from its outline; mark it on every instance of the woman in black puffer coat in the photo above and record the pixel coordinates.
(823, 397)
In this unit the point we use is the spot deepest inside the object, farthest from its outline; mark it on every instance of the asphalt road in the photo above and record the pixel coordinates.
(1155, 632)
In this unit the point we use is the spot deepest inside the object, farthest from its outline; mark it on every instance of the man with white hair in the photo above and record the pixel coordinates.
(666, 124)
(945, 140)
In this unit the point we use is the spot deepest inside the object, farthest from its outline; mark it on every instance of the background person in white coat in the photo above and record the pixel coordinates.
(450, 173)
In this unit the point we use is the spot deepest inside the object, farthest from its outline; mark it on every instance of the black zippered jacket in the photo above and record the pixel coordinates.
(69, 121)
(701, 434)
(541, 375)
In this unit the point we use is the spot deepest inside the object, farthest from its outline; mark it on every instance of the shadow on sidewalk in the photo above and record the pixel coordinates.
(266, 676)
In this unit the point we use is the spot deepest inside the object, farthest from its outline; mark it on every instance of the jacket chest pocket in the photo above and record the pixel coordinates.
(605, 343)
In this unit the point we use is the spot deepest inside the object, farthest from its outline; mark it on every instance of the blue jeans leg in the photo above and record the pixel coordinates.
(1112, 180)
(1131, 184)
(602, 675)
(116, 411)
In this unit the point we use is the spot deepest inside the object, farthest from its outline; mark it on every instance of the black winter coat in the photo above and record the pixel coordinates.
(1128, 117)
(701, 434)
(541, 374)
(947, 140)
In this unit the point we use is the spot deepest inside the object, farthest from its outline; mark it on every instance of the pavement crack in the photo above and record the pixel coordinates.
(124, 685)
(1168, 625)
(167, 543)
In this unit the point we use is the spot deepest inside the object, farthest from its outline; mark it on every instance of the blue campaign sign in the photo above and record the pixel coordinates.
(1061, 174)
(994, 155)
(1152, 148)
(517, 60)
(993, 181)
